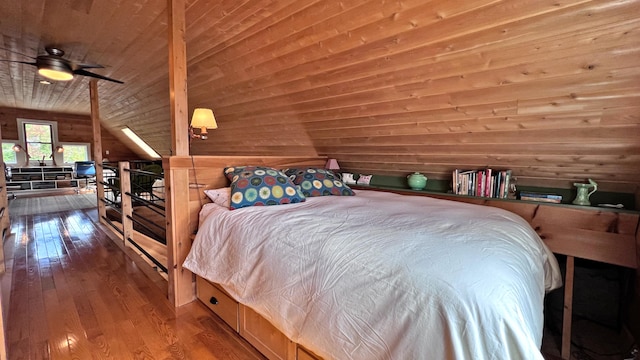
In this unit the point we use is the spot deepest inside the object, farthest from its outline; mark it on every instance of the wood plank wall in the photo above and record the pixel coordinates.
(71, 128)
(549, 89)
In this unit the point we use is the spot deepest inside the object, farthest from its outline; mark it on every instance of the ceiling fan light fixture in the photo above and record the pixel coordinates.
(57, 75)
(55, 70)
(54, 67)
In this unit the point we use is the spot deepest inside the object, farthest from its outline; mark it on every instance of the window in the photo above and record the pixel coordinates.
(8, 155)
(75, 152)
(39, 140)
(143, 145)
(39, 137)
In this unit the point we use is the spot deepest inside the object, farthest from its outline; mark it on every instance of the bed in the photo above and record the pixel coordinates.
(383, 276)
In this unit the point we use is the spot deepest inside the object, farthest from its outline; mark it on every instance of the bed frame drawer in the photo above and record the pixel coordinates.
(265, 337)
(218, 301)
(304, 354)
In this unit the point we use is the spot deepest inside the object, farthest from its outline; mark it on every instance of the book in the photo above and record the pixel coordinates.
(540, 195)
(507, 184)
(541, 199)
(502, 180)
(455, 181)
(544, 197)
(487, 183)
(482, 183)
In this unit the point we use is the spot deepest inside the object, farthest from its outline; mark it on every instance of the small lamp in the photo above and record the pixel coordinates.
(57, 150)
(203, 119)
(18, 149)
(332, 164)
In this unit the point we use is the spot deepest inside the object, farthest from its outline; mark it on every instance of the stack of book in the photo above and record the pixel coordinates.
(534, 196)
(483, 183)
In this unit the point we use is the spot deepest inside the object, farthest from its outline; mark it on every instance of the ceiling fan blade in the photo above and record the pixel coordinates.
(88, 66)
(18, 61)
(87, 73)
(15, 52)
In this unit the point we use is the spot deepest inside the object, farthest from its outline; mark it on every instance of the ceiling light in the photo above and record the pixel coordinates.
(203, 119)
(56, 75)
(54, 69)
(45, 82)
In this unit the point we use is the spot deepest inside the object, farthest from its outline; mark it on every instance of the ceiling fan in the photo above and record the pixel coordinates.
(53, 66)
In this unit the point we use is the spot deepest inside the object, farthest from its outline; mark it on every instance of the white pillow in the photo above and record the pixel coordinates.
(220, 196)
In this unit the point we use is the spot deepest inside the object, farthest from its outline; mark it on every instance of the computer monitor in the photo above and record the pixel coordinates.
(85, 169)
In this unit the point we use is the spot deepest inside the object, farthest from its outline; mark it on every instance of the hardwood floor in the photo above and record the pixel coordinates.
(77, 295)
(24, 205)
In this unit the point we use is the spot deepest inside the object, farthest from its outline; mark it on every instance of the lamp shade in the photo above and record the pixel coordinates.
(332, 164)
(203, 118)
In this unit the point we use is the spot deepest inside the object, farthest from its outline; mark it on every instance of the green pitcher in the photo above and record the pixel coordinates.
(582, 197)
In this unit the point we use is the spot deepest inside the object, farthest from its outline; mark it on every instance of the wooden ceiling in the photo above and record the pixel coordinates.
(550, 89)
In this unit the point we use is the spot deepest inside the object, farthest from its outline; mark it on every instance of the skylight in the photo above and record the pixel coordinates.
(143, 145)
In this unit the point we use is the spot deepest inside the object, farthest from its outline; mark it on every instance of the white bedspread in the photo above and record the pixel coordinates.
(384, 276)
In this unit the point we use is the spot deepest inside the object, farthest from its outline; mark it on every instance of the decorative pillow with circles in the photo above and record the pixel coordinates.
(260, 186)
(318, 182)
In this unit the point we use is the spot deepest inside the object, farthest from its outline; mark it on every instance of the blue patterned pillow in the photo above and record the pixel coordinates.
(318, 182)
(260, 186)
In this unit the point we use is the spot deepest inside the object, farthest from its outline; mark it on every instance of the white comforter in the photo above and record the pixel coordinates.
(384, 276)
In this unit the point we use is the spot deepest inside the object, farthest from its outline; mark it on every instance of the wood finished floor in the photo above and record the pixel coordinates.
(77, 295)
(44, 204)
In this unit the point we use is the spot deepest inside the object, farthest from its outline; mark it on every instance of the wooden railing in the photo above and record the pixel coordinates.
(133, 207)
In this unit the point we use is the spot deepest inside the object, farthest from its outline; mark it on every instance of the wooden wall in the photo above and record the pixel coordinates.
(71, 128)
(549, 89)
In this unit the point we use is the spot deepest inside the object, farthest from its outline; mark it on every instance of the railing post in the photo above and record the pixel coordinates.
(102, 207)
(125, 201)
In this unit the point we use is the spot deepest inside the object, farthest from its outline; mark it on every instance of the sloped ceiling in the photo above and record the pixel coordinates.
(549, 89)
(127, 37)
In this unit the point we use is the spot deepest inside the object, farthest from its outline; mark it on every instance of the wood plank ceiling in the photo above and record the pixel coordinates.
(550, 89)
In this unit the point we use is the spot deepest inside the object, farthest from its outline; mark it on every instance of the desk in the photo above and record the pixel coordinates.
(607, 235)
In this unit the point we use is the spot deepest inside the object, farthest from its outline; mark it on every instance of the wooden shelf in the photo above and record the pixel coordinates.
(482, 200)
(42, 178)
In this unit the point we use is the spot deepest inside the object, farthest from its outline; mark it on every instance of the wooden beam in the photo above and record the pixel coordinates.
(180, 280)
(178, 234)
(125, 202)
(633, 321)
(178, 78)
(97, 144)
(568, 309)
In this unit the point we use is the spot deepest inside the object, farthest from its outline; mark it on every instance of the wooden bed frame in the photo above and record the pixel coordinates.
(591, 233)
(185, 178)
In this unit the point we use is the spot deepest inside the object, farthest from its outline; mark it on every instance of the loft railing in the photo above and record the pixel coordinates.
(133, 204)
